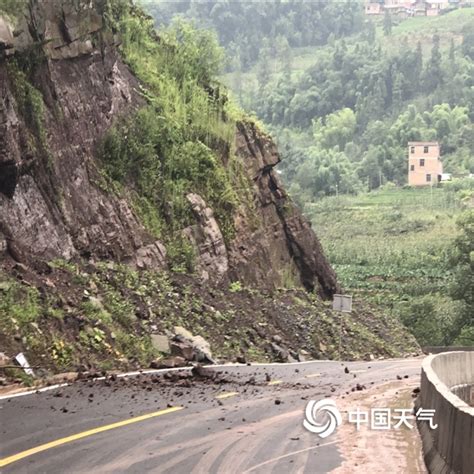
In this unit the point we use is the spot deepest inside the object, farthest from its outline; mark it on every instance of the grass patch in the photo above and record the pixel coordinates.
(391, 248)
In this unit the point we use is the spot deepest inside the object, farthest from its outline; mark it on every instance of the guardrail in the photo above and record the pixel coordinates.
(450, 447)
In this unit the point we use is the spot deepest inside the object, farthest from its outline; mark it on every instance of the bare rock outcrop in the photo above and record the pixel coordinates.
(51, 200)
(207, 238)
(279, 247)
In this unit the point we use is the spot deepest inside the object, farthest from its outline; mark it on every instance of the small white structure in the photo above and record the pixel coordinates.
(342, 303)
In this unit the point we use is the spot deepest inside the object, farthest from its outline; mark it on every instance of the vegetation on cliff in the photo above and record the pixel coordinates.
(343, 102)
(179, 142)
(177, 137)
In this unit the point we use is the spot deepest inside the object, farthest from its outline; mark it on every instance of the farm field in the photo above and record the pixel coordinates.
(391, 247)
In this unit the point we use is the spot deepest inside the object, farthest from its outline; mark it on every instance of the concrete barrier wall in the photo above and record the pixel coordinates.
(450, 447)
(465, 392)
(439, 349)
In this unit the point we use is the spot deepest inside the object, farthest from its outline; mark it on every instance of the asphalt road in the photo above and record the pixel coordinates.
(247, 419)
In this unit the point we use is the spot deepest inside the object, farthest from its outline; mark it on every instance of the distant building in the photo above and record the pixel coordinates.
(425, 167)
(404, 8)
(373, 9)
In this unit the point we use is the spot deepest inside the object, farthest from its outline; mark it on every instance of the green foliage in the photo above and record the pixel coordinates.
(432, 319)
(247, 28)
(338, 129)
(392, 247)
(235, 287)
(29, 101)
(463, 266)
(19, 306)
(11, 7)
(387, 23)
(363, 93)
(175, 144)
(94, 339)
(134, 347)
(62, 353)
(181, 254)
(327, 172)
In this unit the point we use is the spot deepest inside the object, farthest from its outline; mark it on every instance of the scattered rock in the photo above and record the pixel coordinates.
(202, 350)
(168, 363)
(277, 402)
(161, 343)
(399, 377)
(183, 333)
(20, 268)
(203, 372)
(346, 370)
(360, 387)
(303, 355)
(280, 353)
(182, 349)
(4, 360)
(96, 303)
(276, 338)
(151, 256)
(191, 347)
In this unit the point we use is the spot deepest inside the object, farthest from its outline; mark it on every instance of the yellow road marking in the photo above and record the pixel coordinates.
(226, 394)
(309, 376)
(84, 434)
(274, 382)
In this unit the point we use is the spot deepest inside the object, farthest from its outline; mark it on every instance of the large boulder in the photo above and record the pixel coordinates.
(193, 348)
(161, 343)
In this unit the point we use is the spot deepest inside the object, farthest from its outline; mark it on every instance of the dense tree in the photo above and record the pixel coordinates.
(463, 288)
(248, 24)
(433, 75)
(387, 23)
(364, 96)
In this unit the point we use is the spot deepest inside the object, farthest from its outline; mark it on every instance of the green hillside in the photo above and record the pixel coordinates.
(393, 247)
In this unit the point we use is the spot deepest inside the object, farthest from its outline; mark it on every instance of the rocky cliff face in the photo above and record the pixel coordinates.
(51, 205)
(72, 246)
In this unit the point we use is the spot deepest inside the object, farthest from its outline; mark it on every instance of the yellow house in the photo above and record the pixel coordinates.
(424, 163)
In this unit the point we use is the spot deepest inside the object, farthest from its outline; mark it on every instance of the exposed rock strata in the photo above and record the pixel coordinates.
(51, 203)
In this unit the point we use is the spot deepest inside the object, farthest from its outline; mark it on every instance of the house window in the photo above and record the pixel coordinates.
(412, 150)
(422, 162)
(412, 167)
(425, 149)
(428, 178)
